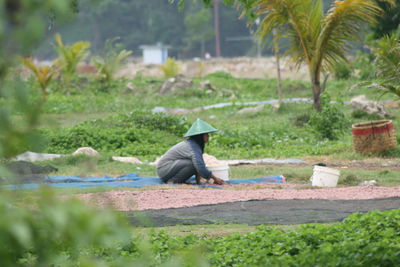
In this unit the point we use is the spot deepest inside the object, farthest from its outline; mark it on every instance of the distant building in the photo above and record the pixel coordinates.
(155, 54)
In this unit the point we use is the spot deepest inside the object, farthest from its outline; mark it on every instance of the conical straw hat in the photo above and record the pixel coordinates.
(200, 127)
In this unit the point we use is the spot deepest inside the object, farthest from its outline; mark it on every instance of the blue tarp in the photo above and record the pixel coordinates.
(128, 180)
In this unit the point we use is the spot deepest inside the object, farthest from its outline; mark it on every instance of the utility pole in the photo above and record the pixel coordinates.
(216, 28)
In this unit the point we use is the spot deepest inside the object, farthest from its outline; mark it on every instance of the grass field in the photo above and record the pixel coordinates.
(120, 123)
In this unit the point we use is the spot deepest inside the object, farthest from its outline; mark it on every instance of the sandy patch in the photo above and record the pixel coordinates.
(240, 67)
(178, 198)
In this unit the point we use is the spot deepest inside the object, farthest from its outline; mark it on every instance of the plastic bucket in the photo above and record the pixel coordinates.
(221, 171)
(325, 177)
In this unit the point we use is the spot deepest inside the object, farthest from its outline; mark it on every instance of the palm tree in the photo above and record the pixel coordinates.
(320, 40)
(387, 62)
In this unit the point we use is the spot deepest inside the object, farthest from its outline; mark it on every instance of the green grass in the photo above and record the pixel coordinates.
(264, 134)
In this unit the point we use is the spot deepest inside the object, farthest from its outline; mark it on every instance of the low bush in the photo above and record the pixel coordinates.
(361, 114)
(137, 133)
(350, 179)
(331, 122)
(342, 71)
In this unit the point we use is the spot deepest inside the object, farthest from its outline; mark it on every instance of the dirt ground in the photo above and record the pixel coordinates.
(364, 164)
(257, 212)
(241, 67)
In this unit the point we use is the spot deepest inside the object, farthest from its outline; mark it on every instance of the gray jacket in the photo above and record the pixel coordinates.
(188, 150)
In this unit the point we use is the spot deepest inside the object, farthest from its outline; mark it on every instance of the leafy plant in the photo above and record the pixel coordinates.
(387, 62)
(109, 63)
(69, 56)
(350, 180)
(363, 65)
(56, 232)
(137, 134)
(22, 28)
(170, 68)
(342, 70)
(43, 74)
(330, 122)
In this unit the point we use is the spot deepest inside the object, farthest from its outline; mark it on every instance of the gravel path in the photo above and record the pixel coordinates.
(187, 197)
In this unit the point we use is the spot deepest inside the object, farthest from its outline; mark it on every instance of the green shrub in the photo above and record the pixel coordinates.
(137, 133)
(331, 122)
(361, 114)
(219, 74)
(301, 120)
(69, 57)
(342, 71)
(363, 65)
(110, 61)
(350, 179)
(56, 233)
(170, 68)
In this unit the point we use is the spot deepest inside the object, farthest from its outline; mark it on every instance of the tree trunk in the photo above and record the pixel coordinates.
(278, 66)
(315, 73)
(316, 86)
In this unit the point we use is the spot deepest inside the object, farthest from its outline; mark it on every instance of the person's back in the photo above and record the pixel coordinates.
(185, 159)
(182, 161)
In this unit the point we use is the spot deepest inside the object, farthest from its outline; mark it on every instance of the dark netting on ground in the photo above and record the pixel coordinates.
(257, 212)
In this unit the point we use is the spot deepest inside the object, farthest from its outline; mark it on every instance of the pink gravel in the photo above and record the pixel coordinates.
(178, 198)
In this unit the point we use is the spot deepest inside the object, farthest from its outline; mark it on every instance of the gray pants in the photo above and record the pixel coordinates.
(180, 171)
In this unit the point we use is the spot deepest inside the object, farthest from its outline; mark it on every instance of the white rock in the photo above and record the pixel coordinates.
(154, 163)
(275, 106)
(361, 102)
(368, 183)
(132, 160)
(33, 156)
(159, 110)
(86, 151)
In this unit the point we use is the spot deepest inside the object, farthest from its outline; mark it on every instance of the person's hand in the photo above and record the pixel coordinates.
(218, 181)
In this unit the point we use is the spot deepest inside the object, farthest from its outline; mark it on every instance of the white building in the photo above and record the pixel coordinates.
(155, 54)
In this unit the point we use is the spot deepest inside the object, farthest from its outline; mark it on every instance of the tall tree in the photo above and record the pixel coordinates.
(198, 27)
(320, 40)
(316, 38)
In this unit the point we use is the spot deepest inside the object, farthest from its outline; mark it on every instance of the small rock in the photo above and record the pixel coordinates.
(371, 107)
(86, 151)
(130, 87)
(175, 84)
(25, 171)
(154, 163)
(159, 110)
(206, 85)
(368, 183)
(33, 156)
(275, 106)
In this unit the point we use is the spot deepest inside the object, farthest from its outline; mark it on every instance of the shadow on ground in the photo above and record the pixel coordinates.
(256, 212)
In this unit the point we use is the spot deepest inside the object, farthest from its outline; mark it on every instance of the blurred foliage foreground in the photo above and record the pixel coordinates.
(66, 233)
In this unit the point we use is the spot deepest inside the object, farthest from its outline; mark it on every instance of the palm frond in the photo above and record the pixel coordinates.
(342, 24)
(387, 60)
(300, 20)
